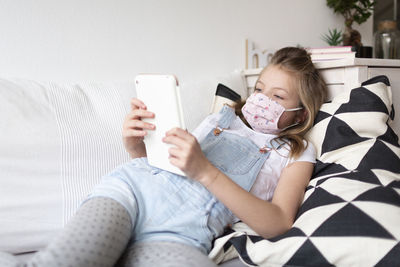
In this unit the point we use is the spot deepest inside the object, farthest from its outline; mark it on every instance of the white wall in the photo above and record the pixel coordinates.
(74, 40)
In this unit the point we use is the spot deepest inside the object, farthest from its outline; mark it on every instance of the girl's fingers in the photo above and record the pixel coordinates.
(137, 124)
(185, 135)
(137, 104)
(176, 162)
(174, 152)
(176, 131)
(140, 113)
(134, 133)
(175, 140)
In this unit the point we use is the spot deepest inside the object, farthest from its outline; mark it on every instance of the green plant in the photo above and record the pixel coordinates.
(333, 38)
(352, 10)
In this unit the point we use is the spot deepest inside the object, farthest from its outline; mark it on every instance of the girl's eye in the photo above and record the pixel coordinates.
(277, 96)
(257, 90)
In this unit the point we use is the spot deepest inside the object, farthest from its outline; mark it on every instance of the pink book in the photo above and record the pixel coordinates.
(329, 49)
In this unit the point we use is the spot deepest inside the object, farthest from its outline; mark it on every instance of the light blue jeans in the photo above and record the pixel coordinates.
(176, 208)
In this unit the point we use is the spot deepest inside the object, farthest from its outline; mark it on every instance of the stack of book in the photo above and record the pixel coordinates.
(331, 53)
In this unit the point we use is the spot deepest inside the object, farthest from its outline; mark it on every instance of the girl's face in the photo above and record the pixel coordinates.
(279, 86)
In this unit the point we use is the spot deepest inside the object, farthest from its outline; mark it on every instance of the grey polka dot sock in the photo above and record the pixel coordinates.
(96, 236)
(164, 254)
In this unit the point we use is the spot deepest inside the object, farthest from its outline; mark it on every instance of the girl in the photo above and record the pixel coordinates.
(253, 167)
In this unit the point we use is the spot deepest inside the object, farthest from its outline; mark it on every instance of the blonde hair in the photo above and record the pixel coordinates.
(311, 89)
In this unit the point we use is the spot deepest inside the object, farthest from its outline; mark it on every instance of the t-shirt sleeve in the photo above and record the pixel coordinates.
(308, 155)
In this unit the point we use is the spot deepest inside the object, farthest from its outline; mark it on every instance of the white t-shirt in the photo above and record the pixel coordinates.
(268, 177)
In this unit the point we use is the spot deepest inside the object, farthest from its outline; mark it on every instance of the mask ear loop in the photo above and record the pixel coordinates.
(294, 124)
(293, 109)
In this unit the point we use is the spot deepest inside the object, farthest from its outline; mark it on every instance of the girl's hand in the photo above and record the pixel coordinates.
(134, 129)
(187, 155)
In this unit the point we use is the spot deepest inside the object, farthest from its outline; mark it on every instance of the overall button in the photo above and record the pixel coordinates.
(155, 171)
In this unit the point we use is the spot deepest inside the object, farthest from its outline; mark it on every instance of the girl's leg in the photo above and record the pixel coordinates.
(96, 236)
(164, 254)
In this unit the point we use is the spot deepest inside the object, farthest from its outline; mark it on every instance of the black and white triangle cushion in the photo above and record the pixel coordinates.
(350, 215)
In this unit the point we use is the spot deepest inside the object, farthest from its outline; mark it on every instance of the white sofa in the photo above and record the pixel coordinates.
(57, 140)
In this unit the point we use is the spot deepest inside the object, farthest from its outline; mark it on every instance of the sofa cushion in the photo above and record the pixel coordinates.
(351, 209)
(57, 140)
(30, 184)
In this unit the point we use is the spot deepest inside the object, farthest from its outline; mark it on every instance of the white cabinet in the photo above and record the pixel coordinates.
(345, 74)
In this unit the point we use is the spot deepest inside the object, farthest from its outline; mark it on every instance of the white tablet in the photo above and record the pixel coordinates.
(160, 93)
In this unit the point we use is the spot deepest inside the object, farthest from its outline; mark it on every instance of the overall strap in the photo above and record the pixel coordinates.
(228, 115)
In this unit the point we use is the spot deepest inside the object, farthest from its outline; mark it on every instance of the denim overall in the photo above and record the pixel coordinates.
(177, 208)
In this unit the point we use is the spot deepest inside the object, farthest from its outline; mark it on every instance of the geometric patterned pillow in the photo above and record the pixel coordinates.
(356, 122)
(350, 215)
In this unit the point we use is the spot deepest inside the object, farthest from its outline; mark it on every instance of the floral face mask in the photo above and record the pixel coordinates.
(263, 113)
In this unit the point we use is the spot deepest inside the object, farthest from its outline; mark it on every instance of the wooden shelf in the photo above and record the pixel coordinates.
(371, 62)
